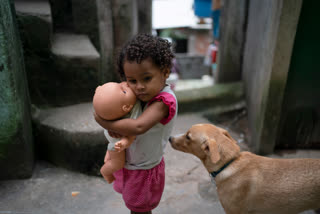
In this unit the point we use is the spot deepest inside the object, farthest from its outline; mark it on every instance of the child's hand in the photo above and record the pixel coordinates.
(119, 146)
(114, 134)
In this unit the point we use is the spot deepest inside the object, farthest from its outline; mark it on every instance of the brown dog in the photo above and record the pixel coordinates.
(248, 183)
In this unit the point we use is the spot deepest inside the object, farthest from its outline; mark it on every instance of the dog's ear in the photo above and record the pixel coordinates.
(210, 147)
(226, 133)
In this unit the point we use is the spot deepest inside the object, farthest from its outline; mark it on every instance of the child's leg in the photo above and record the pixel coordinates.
(113, 162)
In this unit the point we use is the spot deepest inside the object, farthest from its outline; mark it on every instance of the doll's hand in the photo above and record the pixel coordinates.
(119, 146)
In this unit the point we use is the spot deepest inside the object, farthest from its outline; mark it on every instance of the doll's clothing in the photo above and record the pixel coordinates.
(141, 189)
(134, 113)
(147, 149)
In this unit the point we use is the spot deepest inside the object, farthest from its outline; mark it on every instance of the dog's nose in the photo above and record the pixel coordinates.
(170, 139)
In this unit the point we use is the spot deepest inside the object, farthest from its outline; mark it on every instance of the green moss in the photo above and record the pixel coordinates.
(16, 146)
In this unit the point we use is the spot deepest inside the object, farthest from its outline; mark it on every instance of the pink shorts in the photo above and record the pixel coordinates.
(141, 189)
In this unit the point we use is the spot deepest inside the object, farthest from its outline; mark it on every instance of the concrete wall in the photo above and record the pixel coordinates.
(270, 35)
(16, 143)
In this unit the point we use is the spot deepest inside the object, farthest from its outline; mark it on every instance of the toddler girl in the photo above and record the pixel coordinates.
(145, 63)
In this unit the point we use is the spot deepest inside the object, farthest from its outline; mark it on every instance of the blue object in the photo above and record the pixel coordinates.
(215, 22)
(202, 8)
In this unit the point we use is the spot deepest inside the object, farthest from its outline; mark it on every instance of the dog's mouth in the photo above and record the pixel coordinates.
(172, 142)
(175, 145)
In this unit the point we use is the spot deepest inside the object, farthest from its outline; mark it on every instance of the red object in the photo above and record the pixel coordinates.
(214, 56)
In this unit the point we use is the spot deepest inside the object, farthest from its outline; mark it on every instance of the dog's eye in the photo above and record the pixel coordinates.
(188, 137)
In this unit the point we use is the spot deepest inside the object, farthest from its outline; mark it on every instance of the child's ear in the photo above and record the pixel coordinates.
(127, 108)
(167, 72)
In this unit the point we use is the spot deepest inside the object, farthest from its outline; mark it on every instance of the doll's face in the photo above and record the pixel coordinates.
(113, 100)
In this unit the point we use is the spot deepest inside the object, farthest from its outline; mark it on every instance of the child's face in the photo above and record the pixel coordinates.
(145, 79)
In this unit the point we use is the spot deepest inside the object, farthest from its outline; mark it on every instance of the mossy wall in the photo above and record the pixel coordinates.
(16, 143)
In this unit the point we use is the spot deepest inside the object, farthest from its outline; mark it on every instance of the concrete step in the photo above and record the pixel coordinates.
(39, 8)
(70, 137)
(75, 46)
(215, 99)
(35, 23)
(76, 63)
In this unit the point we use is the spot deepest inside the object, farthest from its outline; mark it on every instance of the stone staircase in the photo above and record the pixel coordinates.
(62, 66)
(62, 69)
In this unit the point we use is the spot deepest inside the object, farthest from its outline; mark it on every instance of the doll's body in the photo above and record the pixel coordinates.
(113, 101)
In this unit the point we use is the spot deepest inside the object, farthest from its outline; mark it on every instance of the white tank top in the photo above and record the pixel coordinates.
(147, 149)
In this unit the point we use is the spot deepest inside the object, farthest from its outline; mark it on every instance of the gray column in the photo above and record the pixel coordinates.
(144, 16)
(125, 18)
(233, 24)
(107, 72)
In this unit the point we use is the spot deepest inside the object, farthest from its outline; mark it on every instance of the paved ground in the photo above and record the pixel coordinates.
(188, 187)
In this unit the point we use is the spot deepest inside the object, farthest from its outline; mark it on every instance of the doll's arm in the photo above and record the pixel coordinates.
(124, 143)
(128, 127)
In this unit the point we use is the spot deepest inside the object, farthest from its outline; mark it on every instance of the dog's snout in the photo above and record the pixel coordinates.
(170, 139)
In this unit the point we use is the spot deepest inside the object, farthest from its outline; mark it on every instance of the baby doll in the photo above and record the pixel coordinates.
(113, 101)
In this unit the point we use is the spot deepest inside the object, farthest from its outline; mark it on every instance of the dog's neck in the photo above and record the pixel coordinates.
(225, 159)
(215, 173)
(216, 168)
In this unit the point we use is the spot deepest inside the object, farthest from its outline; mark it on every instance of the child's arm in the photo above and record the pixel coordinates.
(131, 127)
(124, 143)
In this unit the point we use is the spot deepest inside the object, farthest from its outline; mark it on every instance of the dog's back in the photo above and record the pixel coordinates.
(268, 185)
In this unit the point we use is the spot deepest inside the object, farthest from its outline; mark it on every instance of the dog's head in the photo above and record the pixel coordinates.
(209, 143)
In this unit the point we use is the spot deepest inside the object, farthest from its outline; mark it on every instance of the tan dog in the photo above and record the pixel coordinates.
(248, 183)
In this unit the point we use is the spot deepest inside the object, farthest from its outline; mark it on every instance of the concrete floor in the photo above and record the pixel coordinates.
(188, 187)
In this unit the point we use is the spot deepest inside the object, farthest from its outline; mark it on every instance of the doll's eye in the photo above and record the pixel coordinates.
(124, 92)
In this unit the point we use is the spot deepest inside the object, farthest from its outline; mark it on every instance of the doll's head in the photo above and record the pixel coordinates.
(113, 100)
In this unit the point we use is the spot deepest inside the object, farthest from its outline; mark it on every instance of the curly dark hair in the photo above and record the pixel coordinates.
(145, 46)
